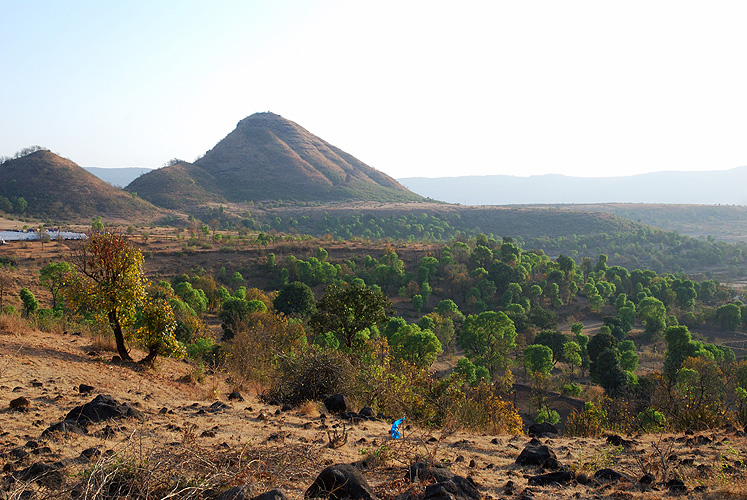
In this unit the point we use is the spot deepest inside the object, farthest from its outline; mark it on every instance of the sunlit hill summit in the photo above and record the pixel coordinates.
(268, 157)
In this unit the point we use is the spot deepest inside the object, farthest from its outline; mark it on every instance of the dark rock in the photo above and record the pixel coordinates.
(102, 408)
(338, 482)
(20, 404)
(367, 412)
(616, 440)
(535, 453)
(336, 403)
(85, 389)
(19, 453)
(286, 407)
(48, 475)
(31, 445)
(457, 488)
(90, 453)
(235, 396)
(494, 441)
(647, 479)
(36, 383)
(207, 434)
(116, 359)
(63, 428)
(428, 471)
(542, 430)
(558, 477)
(689, 432)
(608, 475)
(219, 407)
(41, 450)
(243, 493)
(235, 493)
(582, 478)
(676, 486)
(275, 494)
(699, 441)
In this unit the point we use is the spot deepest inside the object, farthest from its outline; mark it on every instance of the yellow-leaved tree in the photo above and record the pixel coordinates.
(108, 281)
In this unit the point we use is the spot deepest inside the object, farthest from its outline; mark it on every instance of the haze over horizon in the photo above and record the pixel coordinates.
(416, 89)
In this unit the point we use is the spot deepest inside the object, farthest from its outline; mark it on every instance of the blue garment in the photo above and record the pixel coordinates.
(395, 428)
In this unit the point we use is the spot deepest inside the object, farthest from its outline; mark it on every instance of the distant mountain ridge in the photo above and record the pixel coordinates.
(120, 176)
(715, 187)
(268, 157)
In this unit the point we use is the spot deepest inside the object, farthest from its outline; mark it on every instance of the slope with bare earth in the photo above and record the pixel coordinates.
(57, 188)
(268, 157)
(193, 442)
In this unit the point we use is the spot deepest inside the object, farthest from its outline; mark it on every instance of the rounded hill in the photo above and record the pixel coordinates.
(56, 187)
(267, 158)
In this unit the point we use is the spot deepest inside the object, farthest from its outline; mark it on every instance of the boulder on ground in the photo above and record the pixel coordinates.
(542, 430)
(535, 453)
(102, 408)
(456, 488)
(336, 403)
(338, 482)
(560, 477)
(428, 471)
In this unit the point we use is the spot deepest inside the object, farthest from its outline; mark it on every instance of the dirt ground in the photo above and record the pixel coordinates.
(249, 442)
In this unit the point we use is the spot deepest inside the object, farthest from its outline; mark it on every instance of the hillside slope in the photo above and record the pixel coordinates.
(58, 188)
(267, 158)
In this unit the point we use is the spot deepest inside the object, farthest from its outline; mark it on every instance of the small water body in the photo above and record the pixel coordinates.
(34, 236)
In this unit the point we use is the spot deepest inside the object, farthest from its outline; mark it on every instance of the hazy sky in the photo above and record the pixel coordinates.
(411, 88)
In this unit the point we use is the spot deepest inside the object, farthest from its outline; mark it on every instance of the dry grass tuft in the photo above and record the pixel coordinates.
(310, 409)
(14, 324)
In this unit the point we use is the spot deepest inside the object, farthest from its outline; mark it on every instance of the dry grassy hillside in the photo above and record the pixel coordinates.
(58, 189)
(192, 441)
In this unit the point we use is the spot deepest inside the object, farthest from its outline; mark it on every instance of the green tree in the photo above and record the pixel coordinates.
(347, 310)
(572, 357)
(554, 340)
(193, 297)
(417, 303)
(295, 299)
(653, 314)
(489, 338)
(680, 346)
(538, 359)
(235, 313)
(419, 347)
(30, 304)
(729, 316)
(155, 326)
(597, 345)
(609, 374)
(52, 278)
(108, 280)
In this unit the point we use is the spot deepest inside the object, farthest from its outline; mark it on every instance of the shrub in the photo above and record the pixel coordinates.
(547, 415)
(309, 375)
(573, 390)
(591, 422)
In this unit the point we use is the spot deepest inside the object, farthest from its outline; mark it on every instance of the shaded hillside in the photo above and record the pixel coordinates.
(268, 158)
(413, 219)
(57, 188)
(723, 186)
(177, 186)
